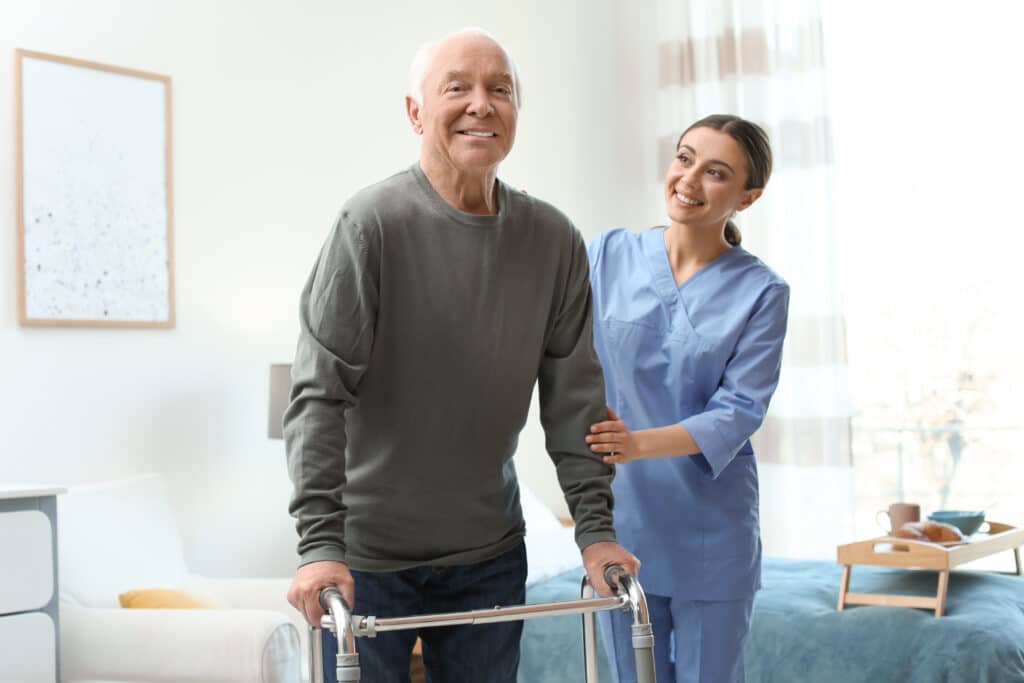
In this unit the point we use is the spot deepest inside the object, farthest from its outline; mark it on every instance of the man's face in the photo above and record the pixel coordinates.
(469, 109)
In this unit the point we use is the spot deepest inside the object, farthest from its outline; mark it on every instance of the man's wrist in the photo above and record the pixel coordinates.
(323, 553)
(585, 540)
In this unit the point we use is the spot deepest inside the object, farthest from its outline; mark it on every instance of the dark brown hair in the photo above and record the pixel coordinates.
(754, 142)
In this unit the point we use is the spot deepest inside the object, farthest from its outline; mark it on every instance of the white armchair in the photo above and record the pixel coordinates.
(121, 536)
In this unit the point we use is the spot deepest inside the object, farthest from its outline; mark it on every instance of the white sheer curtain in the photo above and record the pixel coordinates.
(763, 60)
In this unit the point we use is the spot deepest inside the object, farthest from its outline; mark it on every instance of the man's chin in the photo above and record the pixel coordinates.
(479, 161)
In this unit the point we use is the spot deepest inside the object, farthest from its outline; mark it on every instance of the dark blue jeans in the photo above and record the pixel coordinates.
(451, 654)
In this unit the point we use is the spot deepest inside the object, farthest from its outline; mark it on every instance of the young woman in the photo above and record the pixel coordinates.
(689, 327)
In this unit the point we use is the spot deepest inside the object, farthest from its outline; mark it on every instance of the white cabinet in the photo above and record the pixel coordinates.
(30, 648)
(29, 620)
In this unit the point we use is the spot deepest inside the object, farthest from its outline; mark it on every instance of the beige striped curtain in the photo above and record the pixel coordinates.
(763, 60)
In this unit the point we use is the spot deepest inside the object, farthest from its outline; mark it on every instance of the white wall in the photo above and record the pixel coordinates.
(281, 111)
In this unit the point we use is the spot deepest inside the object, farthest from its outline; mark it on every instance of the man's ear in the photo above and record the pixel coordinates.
(749, 197)
(412, 110)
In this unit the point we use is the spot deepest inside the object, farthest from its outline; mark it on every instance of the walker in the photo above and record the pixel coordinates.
(629, 597)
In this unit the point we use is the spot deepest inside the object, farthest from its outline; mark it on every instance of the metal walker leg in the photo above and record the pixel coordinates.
(643, 634)
(629, 596)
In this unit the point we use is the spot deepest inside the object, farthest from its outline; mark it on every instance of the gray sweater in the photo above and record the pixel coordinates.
(423, 332)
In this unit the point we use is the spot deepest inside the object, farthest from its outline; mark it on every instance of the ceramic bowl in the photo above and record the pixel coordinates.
(967, 521)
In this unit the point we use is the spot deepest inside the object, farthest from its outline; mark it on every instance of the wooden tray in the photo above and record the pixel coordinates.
(887, 551)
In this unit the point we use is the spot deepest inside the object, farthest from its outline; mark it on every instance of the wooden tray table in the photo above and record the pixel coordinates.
(888, 551)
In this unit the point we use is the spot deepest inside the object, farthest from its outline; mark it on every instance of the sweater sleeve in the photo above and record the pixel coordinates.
(337, 314)
(738, 406)
(571, 389)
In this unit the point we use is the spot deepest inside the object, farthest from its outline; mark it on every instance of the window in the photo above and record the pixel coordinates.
(929, 146)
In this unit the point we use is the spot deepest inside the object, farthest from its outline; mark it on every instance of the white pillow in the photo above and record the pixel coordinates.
(538, 516)
(550, 548)
(551, 552)
(117, 536)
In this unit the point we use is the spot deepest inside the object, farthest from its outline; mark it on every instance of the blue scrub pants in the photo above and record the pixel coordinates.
(695, 641)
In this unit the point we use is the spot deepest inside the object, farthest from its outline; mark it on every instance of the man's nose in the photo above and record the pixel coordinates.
(480, 103)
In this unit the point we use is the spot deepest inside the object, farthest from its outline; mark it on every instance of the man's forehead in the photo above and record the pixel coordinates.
(466, 54)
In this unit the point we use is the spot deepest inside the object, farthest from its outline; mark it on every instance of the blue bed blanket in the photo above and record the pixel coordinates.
(552, 647)
(798, 635)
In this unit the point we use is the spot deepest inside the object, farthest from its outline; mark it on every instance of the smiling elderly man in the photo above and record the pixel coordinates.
(439, 299)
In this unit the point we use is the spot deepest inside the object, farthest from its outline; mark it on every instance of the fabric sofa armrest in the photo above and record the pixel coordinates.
(244, 593)
(202, 645)
(254, 593)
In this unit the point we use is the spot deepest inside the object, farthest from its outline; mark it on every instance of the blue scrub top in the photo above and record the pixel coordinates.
(706, 354)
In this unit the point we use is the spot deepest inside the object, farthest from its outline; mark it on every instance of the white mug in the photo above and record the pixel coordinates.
(899, 514)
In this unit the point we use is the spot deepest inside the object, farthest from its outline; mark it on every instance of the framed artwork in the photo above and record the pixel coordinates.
(95, 203)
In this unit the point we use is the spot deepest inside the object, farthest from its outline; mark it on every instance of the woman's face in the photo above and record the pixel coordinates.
(704, 184)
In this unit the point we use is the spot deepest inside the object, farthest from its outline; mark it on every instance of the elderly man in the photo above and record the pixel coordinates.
(439, 299)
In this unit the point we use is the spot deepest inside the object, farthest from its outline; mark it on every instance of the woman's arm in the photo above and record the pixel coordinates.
(621, 445)
(732, 414)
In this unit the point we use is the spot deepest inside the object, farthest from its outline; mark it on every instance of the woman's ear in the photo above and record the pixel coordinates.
(749, 197)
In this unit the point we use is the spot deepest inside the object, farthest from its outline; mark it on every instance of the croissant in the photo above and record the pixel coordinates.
(908, 532)
(935, 532)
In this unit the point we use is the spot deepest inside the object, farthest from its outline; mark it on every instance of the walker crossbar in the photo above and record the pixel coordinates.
(629, 597)
(371, 626)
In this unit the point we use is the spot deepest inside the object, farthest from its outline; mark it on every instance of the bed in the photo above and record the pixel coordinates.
(797, 634)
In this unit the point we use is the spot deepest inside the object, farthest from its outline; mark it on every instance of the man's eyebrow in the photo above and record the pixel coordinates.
(504, 76)
(711, 161)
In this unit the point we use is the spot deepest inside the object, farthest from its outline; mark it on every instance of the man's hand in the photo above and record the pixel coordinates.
(312, 578)
(599, 556)
(614, 439)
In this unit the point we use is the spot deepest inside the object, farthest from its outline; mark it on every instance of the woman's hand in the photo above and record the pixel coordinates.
(614, 438)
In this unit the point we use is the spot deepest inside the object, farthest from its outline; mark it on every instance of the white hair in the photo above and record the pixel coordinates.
(421, 62)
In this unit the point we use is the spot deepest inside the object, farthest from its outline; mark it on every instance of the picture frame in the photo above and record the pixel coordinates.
(95, 203)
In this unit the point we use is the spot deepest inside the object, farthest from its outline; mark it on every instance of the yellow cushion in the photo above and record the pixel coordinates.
(156, 598)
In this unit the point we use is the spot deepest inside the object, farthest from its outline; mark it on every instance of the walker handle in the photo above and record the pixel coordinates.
(325, 597)
(340, 622)
(612, 574)
(623, 583)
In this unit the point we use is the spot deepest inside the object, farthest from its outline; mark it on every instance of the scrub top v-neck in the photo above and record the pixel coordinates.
(706, 354)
